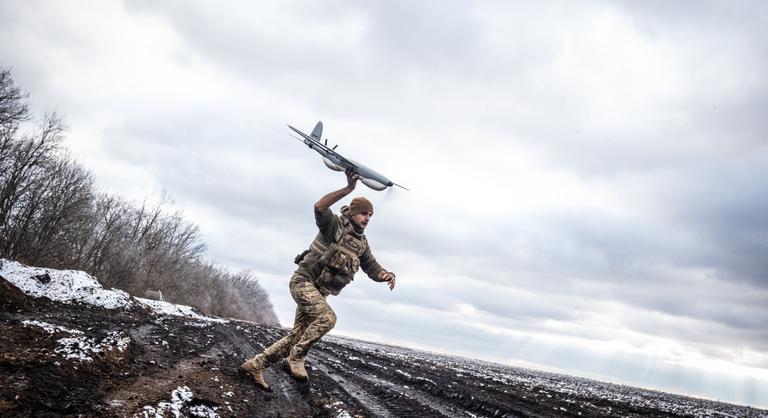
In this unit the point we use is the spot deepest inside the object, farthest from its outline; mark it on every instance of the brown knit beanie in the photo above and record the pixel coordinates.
(360, 204)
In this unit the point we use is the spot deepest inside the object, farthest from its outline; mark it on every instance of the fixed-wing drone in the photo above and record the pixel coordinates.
(337, 162)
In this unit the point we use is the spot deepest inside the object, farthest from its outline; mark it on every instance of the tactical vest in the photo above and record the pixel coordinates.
(338, 261)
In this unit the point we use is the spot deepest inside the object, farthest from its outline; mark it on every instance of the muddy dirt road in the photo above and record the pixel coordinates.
(71, 359)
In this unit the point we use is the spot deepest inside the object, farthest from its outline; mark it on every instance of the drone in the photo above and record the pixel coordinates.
(338, 162)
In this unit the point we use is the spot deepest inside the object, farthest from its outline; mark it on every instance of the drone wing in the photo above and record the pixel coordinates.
(305, 136)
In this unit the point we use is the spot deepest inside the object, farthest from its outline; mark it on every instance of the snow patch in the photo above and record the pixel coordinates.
(203, 411)
(117, 340)
(180, 397)
(73, 286)
(165, 308)
(336, 407)
(84, 348)
(51, 328)
(69, 286)
(197, 324)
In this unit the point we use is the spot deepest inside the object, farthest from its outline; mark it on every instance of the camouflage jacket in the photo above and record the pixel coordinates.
(338, 233)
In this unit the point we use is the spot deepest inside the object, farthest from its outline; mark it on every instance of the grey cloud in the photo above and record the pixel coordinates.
(186, 157)
(707, 18)
(386, 72)
(418, 36)
(625, 260)
(252, 183)
(217, 34)
(728, 208)
(401, 33)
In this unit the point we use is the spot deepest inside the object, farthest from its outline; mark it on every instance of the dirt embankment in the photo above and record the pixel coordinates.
(73, 359)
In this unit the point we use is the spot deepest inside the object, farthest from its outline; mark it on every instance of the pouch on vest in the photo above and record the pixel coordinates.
(301, 256)
(330, 250)
(338, 268)
(344, 262)
(331, 282)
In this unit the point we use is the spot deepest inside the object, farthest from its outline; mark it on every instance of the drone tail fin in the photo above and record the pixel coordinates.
(317, 133)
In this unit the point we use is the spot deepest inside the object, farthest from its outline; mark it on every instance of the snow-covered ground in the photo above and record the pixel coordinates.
(84, 348)
(179, 405)
(79, 347)
(74, 286)
(165, 308)
(70, 286)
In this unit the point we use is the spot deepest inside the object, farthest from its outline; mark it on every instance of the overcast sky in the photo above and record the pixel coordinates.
(589, 181)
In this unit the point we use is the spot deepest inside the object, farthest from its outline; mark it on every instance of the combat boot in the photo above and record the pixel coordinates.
(254, 367)
(296, 367)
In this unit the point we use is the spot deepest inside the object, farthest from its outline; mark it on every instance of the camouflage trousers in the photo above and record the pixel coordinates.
(314, 318)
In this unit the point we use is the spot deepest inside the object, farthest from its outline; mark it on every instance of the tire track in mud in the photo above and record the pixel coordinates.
(430, 405)
(303, 398)
(288, 390)
(353, 390)
(321, 396)
(285, 392)
(435, 403)
(446, 401)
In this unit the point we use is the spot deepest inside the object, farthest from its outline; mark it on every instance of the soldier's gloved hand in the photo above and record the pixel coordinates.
(352, 178)
(388, 277)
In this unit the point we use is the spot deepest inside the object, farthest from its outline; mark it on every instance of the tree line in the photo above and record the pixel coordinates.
(51, 214)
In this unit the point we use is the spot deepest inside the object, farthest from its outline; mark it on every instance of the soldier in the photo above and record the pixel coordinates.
(329, 264)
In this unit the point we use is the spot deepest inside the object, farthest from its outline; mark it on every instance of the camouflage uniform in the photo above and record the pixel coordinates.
(313, 282)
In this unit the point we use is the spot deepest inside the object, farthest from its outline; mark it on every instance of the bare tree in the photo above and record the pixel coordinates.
(13, 109)
(27, 161)
(102, 249)
(58, 209)
(50, 215)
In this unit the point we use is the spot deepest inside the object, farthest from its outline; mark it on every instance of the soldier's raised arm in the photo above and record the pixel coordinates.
(324, 218)
(328, 200)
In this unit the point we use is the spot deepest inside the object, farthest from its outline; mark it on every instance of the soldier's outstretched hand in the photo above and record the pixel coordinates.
(352, 178)
(388, 277)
